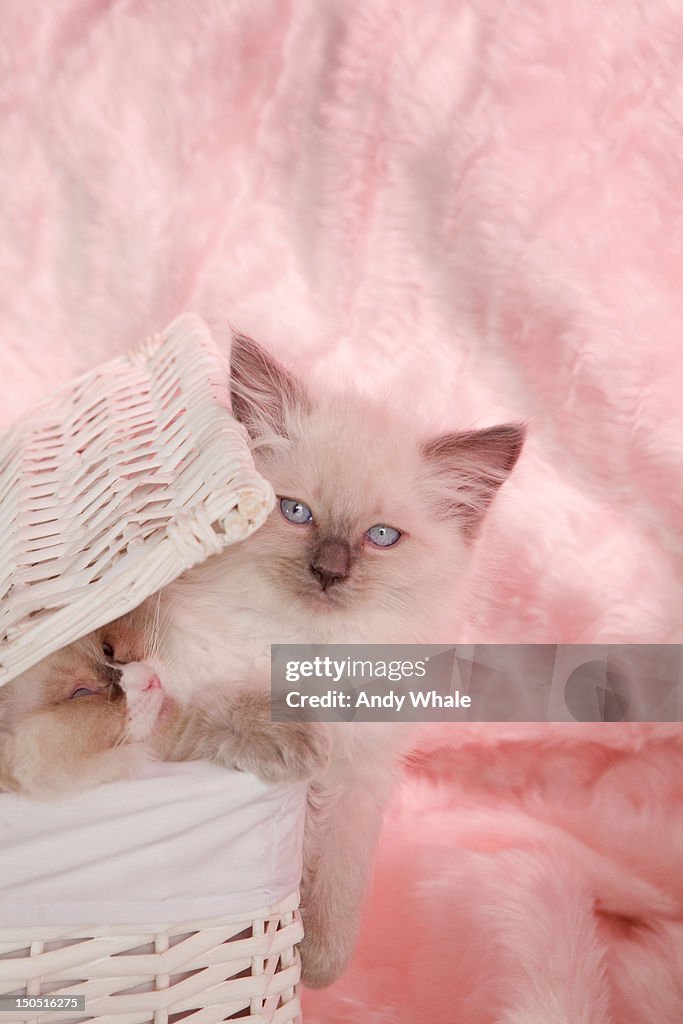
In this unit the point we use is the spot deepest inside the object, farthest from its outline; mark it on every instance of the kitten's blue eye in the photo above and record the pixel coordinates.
(383, 536)
(108, 651)
(82, 691)
(295, 511)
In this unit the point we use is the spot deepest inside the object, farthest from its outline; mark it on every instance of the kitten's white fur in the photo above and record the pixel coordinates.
(355, 466)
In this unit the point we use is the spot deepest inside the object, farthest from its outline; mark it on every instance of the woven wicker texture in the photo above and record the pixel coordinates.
(243, 968)
(114, 486)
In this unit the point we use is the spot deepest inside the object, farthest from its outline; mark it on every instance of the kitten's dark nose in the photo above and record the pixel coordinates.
(331, 562)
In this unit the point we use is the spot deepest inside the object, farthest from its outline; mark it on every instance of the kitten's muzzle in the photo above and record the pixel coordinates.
(331, 562)
(138, 677)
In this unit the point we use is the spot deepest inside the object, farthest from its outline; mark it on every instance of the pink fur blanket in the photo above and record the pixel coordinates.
(477, 207)
(527, 875)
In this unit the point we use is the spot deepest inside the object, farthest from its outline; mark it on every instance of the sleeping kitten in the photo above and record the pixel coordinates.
(370, 543)
(77, 719)
(94, 711)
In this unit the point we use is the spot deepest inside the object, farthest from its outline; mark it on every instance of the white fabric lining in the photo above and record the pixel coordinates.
(178, 842)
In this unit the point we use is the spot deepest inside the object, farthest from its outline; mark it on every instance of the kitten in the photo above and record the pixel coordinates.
(370, 543)
(77, 719)
(96, 710)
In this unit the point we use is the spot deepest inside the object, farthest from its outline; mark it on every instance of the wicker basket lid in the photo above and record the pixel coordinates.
(115, 485)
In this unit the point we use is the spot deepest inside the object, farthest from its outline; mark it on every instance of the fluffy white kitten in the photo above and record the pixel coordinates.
(369, 543)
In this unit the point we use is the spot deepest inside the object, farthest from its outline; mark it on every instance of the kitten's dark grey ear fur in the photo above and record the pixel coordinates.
(261, 390)
(474, 464)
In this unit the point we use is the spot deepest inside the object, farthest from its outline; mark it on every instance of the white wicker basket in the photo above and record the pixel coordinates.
(108, 491)
(114, 486)
(202, 972)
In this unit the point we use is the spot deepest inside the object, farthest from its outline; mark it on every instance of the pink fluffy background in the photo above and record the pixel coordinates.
(477, 207)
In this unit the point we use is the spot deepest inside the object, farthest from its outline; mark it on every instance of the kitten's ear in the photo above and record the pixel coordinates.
(472, 466)
(261, 389)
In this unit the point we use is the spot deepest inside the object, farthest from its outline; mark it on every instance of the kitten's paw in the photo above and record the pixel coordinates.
(280, 751)
(274, 751)
(324, 958)
(286, 752)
